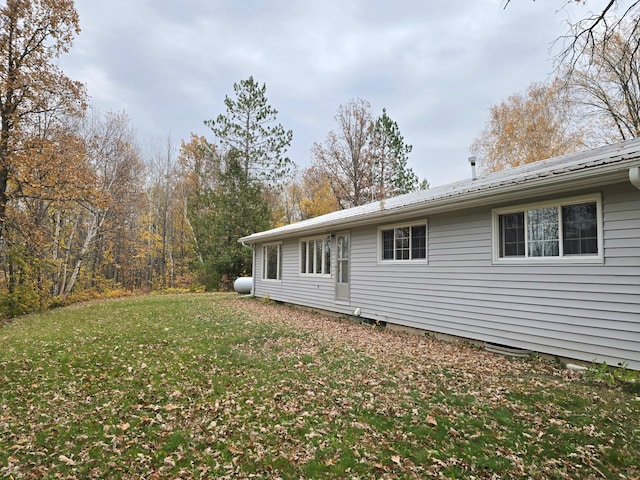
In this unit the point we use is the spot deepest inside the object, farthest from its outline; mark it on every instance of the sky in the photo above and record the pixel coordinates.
(436, 66)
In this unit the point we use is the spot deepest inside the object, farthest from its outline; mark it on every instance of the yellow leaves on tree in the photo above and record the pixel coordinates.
(318, 197)
(53, 169)
(34, 94)
(527, 128)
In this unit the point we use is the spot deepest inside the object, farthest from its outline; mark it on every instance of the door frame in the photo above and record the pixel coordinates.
(343, 289)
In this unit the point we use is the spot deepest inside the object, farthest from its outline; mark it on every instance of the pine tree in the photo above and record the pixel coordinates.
(391, 176)
(249, 128)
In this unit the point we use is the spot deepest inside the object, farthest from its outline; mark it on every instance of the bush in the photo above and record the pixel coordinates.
(620, 375)
(22, 300)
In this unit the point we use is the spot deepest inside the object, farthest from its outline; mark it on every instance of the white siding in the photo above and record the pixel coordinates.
(583, 311)
(308, 290)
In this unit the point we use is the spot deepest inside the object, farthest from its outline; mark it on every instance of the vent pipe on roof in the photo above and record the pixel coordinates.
(634, 177)
(472, 161)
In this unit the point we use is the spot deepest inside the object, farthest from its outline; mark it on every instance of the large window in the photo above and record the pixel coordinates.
(315, 256)
(565, 229)
(272, 261)
(405, 242)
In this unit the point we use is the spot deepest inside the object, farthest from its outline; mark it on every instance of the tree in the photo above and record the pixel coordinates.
(526, 128)
(365, 159)
(317, 197)
(391, 175)
(589, 34)
(248, 128)
(346, 154)
(199, 175)
(42, 188)
(607, 86)
(33, 34)
(240, 210)
(112, 151)
(581, 41)
(221, 212)
(167, 232)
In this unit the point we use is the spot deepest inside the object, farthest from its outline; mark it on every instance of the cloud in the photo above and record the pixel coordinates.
(436, 66)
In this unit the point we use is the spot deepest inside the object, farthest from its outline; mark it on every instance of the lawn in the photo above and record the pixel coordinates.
(215, 386)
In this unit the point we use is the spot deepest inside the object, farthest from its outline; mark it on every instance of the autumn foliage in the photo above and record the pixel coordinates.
(529, 127)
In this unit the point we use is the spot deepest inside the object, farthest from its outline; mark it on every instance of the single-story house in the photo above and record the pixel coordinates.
(543, 257)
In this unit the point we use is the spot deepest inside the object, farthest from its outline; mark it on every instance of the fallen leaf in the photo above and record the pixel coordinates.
(66, 460)
(439, 462)
(124, 426)
(396, 459)
(431, 420)
(234, 450)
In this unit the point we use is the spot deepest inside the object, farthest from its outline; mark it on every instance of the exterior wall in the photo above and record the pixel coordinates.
(582, 311)
(311, 291)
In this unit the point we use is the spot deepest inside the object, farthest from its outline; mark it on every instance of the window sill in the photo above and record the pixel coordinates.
(550, 261)
(421, 261)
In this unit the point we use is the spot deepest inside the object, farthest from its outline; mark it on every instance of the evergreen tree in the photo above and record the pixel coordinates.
(391, 175)
(232, 207)
(249, 128)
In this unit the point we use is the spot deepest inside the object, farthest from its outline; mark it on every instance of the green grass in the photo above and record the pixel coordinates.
(209, 386)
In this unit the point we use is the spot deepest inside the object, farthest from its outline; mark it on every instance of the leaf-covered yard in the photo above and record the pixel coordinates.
(214, 386)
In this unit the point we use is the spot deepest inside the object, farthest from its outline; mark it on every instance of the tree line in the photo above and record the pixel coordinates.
(85, 210)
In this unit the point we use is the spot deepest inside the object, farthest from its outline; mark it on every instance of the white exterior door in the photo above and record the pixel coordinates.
(343, 267)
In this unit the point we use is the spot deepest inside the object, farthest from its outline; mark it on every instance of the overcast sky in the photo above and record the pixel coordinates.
(436, 66)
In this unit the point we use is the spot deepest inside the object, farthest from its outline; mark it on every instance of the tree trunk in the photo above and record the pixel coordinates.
(92, 233)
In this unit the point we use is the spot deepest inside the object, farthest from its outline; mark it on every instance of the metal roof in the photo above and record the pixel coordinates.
(599, 166)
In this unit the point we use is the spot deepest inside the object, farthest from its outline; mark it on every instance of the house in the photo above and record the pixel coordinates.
(543, 257)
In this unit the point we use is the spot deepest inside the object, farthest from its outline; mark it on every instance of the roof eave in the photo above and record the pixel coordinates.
(547, 185)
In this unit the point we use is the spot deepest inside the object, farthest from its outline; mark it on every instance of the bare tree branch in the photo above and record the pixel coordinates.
(591, 33)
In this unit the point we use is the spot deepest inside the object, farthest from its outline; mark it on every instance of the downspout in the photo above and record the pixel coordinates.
(253, 266)
(634, 176)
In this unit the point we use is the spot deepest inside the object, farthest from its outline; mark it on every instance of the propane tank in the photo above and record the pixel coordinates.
(243, 285)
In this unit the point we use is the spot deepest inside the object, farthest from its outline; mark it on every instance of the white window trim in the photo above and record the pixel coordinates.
(575, 259)
(328, 267)
(411, 261)
(278, 278)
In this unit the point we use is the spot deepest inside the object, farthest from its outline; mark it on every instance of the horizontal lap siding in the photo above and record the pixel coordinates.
(307, 290)
(622, 228)
(582, 311)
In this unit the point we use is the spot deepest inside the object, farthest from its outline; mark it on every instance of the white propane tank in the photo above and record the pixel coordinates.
(243, 284)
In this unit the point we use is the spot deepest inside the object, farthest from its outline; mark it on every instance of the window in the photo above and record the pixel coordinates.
(406, 242)
(315, 256)
(342, 258)
(272, 261)
(563, 229)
